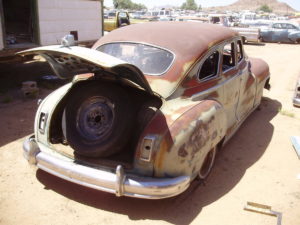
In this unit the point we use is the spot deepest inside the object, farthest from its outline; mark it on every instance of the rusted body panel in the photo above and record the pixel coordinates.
(197, 113)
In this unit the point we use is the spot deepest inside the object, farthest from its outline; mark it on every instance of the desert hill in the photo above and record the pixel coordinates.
(276, 6)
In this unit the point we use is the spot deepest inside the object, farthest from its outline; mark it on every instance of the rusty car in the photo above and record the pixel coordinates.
(147, 108)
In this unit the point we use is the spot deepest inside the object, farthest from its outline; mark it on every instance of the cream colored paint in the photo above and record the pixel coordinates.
(58, 17)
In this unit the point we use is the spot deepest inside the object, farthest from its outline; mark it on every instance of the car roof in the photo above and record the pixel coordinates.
(187, 40)
(182, 38)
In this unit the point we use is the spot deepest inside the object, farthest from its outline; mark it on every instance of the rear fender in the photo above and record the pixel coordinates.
(185, 143)
(294, 36)
(261, 71)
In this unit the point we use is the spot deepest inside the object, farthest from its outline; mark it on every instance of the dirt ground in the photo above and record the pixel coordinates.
(259, 164)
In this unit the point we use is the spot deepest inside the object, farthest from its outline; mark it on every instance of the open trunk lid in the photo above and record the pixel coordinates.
(67, 62)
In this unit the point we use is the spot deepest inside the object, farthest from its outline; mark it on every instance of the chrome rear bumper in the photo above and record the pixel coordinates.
(116, 182)
(296, 101)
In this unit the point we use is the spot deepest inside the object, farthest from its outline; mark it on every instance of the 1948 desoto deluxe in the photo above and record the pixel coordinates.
(147, 108)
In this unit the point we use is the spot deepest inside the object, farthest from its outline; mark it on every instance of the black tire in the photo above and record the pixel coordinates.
(207, 164)
(97, 119)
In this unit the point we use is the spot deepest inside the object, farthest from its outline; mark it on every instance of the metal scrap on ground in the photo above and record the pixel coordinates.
(263, 209)
(296, 143)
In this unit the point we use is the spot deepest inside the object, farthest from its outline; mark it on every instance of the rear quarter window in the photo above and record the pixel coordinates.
(210, 66)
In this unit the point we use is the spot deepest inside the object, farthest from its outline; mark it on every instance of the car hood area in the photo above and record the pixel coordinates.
(67, 62)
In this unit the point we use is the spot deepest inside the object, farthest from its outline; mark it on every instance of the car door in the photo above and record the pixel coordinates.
(247, 83)
(232, 81)
(279, 32)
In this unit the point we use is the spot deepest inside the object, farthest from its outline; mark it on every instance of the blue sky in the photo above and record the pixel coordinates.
(204, 3)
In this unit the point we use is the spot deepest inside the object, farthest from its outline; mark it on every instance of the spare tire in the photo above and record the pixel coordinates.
(97, 119)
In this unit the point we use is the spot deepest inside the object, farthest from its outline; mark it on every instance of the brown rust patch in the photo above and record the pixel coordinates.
(193, 114)
(182, 151)
(230, 73)
(183, 109)
(158, 124)
(230, 129)
(164, 148)
(242, 64)
(199, 137)
(214, 94)
(214, 135)
(249, 83)
(259, 68)
(201, 87)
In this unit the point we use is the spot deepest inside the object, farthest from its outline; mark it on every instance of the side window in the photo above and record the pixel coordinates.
(228, 57)
(277, 26)
(290, 26)
(239, 51)
(283, 26)
(210, 66)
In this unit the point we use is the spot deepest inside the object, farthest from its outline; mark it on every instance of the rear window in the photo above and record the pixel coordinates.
(149, 59)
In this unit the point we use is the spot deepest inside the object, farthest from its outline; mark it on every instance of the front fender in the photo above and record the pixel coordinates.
(187, 140)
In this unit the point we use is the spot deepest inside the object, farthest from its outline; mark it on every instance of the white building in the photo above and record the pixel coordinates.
(28, 23)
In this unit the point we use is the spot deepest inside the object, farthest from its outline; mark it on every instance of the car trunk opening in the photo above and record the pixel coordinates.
(67, 62)
(143, 107)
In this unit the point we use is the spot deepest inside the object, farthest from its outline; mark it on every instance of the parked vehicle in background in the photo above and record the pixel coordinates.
(296, 97)
(115, 19)
(248, 18)
(145, 112)
(249, 34)
(281, 31)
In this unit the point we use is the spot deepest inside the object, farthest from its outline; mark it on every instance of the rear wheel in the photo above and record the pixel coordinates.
(207, 164)
(97, 119)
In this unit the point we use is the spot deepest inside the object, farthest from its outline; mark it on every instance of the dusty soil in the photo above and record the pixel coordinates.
(259, 164)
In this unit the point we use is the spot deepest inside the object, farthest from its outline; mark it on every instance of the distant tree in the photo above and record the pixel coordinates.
(265, 8)
(127, 4)
(138, 6)
(189, 5)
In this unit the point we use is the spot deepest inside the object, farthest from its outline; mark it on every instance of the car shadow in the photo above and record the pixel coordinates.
(241, 152)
